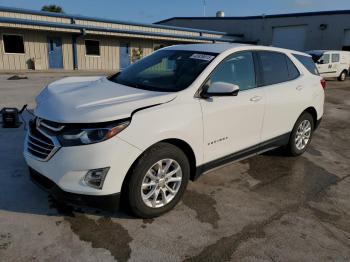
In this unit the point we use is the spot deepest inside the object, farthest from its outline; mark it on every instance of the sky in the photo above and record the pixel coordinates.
(149, 11)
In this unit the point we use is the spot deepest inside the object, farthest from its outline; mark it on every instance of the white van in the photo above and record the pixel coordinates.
(332, 63)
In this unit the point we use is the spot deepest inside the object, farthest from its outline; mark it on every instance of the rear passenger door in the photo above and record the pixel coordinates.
(284, 90)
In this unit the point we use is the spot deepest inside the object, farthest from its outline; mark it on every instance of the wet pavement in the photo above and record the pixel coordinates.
(267, 208)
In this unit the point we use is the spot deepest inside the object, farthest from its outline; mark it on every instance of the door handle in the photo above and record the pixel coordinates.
(299, 88)
(256, 98)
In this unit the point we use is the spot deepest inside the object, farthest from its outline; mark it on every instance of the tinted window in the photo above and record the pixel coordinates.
(274, 67)
(13, 44)
(92, 47)
(165, 70)
(237, 69)
(293, 71)
(335, 58)
(308, 63)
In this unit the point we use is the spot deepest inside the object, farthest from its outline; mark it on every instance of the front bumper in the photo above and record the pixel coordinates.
(107, 202)
(69, 165)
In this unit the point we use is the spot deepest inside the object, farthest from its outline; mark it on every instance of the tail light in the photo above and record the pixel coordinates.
(323, 83)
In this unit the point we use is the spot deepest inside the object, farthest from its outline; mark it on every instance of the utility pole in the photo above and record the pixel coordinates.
(204, 7)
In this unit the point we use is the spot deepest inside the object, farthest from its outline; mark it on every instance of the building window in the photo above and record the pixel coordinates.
(13, 44)
(92, 47)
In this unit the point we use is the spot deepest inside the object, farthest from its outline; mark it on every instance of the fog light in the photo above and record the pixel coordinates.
(95, 177)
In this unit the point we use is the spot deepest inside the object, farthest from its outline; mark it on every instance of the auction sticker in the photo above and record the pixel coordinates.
(202, 57)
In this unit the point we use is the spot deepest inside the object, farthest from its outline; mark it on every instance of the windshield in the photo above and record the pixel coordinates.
(165, 70)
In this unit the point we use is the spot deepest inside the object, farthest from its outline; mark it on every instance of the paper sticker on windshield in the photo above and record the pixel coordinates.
(202, 57)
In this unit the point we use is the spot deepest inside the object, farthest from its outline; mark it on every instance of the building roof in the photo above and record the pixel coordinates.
(336, 12)
(96, 19)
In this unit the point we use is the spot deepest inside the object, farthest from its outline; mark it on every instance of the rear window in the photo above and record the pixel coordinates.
(274, 67)
(308, 63)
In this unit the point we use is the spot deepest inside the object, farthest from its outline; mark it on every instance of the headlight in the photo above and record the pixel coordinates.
(85, 136)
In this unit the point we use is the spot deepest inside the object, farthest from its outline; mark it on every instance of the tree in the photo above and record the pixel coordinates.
(52, 8)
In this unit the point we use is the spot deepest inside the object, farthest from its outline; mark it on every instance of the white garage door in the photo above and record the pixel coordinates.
(291, 37)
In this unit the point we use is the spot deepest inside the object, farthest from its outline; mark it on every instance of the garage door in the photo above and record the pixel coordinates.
(291, 37)
(346, 44)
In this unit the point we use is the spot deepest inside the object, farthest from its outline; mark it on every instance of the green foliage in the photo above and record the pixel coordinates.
(52, 8)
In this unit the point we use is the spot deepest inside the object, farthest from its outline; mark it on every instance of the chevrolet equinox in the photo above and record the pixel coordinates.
(140, 135)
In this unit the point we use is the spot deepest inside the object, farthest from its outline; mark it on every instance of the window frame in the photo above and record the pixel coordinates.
(261, 74)
(3, 44)
(203, 88)
(99, 47)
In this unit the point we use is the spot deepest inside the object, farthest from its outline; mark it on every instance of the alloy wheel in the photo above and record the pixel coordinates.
(303, 134)
(161, 183)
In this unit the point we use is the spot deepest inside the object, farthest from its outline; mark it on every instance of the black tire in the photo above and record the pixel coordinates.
(143, 164)
(342, 76)
(292, 145)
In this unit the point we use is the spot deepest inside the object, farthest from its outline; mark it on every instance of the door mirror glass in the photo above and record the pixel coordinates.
(222, 89)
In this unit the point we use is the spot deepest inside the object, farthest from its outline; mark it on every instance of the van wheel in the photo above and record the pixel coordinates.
(158, 180)
(301, 135)
(342, 76)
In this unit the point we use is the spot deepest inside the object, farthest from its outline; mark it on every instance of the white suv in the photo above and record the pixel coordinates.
(143, 133)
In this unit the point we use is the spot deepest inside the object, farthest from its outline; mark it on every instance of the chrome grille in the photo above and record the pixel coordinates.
(41, 142)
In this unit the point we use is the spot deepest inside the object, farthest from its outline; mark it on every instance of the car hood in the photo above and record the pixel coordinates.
(93, 99)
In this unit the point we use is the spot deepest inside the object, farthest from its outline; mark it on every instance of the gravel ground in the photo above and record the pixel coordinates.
(267, 208)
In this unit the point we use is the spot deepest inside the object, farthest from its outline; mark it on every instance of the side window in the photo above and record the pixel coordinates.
(293, 71)
(274, 67)
(335, 58)
(325, 59)
(237, 69)
(308, 63)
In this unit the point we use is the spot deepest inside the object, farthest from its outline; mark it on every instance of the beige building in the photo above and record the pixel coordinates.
(43, 41)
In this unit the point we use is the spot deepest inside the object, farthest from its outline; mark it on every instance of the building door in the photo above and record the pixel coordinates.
(124, 54)
(346, 42)
(55, 52)
(291, 37)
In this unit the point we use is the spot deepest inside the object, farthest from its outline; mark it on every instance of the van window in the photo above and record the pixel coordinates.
(236, 69)
(335, 58)
(308, 63)
(274, 67)
(325, 59)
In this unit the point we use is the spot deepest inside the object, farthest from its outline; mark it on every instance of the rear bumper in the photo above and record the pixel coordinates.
(107, 202)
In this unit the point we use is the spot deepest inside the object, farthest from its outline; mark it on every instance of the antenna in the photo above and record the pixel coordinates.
(204, 7)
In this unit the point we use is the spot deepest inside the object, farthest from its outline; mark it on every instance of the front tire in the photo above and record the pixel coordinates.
(158, 180)
(342, 76)
(301, 135)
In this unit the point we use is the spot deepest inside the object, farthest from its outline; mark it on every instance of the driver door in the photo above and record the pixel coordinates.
(233, 123)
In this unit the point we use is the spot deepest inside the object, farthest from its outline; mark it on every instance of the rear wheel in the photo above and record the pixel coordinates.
(343, 75)
(301, 135)
(158, 180)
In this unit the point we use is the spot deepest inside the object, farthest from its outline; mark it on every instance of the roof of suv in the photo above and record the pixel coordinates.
(221, 47)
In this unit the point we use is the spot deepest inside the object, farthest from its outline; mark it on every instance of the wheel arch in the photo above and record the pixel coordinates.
(181, 144)
(312, 111)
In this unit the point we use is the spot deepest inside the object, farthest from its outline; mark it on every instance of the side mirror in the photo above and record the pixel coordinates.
(222, 89)
(321, 62)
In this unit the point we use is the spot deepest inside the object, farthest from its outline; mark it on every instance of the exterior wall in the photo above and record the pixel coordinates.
(109, 51)
(35, 47)
(260, 30)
